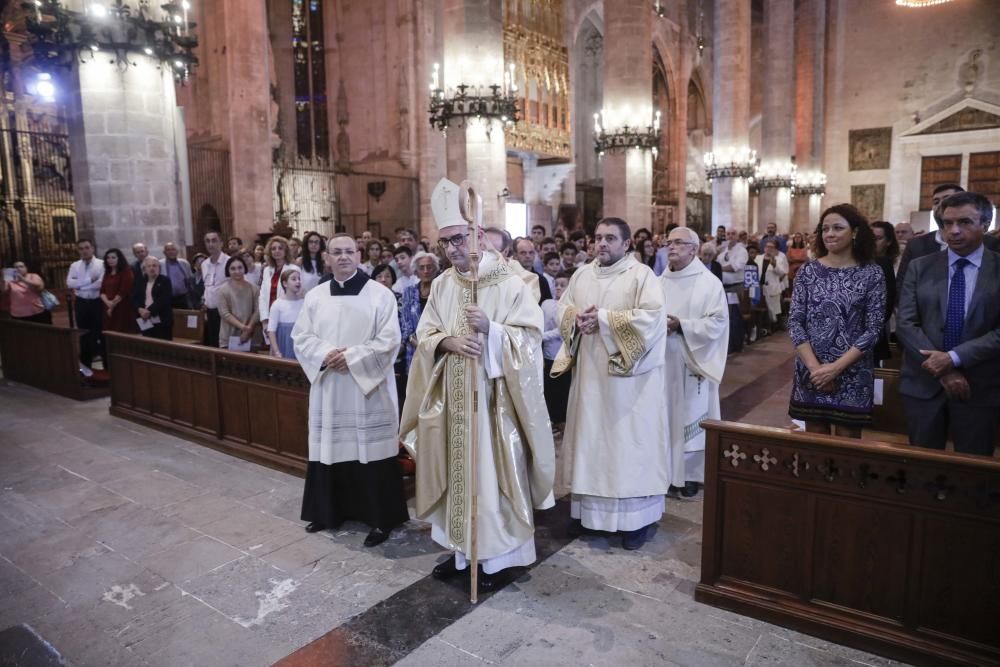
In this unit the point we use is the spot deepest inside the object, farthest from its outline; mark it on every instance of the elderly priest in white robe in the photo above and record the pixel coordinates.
(611, 319)
(696, 349)
(346, 339)
(516, 458)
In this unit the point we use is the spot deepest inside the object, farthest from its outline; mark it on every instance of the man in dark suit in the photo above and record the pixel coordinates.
(926, 244)
(949, 327)
(524, 253)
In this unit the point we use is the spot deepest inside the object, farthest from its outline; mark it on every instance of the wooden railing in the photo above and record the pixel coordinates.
(46, 357)
(888, 548)
(251, 406)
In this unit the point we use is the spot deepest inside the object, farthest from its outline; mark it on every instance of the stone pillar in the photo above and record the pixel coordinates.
(810, 38)
(731, 107)
(473, 55)
(123, 129)
(250, 117)
(628, 100)
(778, 118)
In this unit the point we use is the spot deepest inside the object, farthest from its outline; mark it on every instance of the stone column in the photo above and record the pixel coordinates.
(810, 38)
(778, 118)
(473, 55)
(123, 129)
(248, 106)
(628, 100)
(731, 107)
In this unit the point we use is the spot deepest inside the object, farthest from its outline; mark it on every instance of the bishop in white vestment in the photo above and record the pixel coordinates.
(611, 318)
(503, 335)
(696, 348)
(346, 339)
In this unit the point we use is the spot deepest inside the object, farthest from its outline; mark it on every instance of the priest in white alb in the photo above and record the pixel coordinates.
(611, 319)
(696, 348)
(516, 457)
(346, 339)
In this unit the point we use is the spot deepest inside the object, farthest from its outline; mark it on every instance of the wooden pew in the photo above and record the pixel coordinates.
(248, 405)
(887, 548)
(889, 417)
(46, 357)
(189, 325)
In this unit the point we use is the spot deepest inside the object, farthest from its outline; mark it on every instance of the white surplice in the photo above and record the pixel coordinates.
(353, 415)
(695, 362)
(616, 425)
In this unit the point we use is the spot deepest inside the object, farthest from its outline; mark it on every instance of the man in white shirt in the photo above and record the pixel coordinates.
(734, 260)
(84, 278)
(213, 274)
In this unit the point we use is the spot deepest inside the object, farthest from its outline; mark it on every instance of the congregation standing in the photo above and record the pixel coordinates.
(617, 340)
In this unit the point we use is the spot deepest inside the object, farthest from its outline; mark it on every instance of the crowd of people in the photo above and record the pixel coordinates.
(583, 334)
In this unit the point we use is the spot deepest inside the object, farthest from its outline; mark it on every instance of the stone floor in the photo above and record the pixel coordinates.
(120, 545)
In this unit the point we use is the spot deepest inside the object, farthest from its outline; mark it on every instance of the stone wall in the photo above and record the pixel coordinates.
(891, 66)
(123, 125)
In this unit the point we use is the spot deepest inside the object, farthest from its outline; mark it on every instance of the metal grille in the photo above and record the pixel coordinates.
(211, 191)
(38, 223)
(305, 195)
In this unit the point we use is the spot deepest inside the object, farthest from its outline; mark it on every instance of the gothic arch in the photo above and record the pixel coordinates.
(207, 221)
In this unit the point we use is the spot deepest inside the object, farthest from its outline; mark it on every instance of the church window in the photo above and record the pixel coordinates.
(311, 125)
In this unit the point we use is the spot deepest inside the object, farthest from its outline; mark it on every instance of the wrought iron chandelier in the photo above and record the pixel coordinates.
(61, 37)
(628, 136)
(774, 175)
(732, 163)
(810, 183)
(464, 102)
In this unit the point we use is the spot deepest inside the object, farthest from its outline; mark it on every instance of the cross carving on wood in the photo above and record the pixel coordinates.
(734, 455)
(765, 459)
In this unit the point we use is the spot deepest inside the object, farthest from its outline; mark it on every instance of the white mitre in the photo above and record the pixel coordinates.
(444, 205)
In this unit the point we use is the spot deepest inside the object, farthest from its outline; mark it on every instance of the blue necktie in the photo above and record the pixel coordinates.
(955, 318)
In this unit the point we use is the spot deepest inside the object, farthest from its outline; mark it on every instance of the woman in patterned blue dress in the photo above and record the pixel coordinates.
(836, 316)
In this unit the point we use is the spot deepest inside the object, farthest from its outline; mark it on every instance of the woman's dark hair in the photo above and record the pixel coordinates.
(382, 268)
(233, 260)
(863, 247)
(651, 260)
(307, 261)
(892, 250)
(801, 243)
(122, 265)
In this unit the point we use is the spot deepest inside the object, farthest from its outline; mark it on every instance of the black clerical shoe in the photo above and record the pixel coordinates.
(445, 570)
(633, 539)
(487, 583)
(377, 536)
(690, 490)
(315, 527)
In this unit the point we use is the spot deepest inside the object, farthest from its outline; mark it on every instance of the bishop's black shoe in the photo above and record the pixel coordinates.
(445, 570)
(315, 527)
(488, 583)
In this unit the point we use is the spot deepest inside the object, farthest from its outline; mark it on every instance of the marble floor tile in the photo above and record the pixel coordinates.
(154, 489)
(204, 509)
(186, 561)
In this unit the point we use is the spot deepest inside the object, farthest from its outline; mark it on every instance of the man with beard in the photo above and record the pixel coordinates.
(611, 319)
(502, 332)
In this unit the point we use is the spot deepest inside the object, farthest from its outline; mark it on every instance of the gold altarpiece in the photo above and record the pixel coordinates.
(533, 41)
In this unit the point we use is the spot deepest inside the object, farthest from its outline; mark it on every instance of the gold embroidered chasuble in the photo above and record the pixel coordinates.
(517, 457)
(616, 426)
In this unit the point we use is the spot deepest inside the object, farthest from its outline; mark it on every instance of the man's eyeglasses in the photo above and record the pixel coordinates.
(458, 240)
(676, 242)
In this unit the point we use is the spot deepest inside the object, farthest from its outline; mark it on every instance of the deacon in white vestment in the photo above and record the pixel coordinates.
(696, 348)
(516, 456)
(611, 319)
(346, 339)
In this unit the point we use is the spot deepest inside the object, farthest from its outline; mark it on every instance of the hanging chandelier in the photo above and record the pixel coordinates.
(633, 134)
(465, 102)
(920, 3)
(61, 37)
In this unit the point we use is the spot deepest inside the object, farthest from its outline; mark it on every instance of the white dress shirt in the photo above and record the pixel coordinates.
(736, 257)
(213, 274)
(85, 278)
(971, 272)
